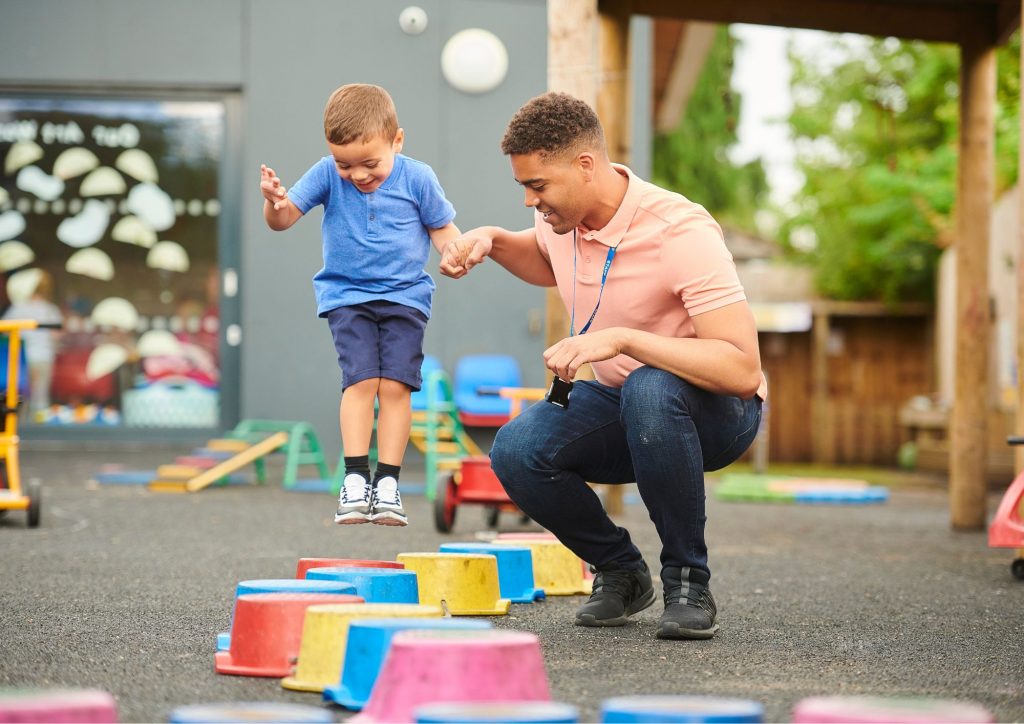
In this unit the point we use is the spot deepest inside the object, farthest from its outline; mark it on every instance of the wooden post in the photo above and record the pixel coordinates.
(613, 94)
(823, 443)
(1018, 453)
(574, 67)
(975, 189)
(588, 57)
(615, 111)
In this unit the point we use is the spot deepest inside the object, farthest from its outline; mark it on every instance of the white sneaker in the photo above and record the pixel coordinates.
(387, 503)
(354, 502)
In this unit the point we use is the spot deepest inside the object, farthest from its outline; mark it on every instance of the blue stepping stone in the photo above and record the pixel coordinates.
(375, 585)
(367, 645)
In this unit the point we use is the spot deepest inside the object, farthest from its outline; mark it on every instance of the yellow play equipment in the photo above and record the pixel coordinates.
(250, 442)
(190, 479)
(12, 496)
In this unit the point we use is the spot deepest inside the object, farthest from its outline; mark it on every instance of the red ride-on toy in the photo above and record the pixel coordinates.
(475, 481)
(1007, 528)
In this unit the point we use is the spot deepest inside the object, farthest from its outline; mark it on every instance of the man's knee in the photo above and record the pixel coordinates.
(503, 455)
(514, 450)
(649, 391)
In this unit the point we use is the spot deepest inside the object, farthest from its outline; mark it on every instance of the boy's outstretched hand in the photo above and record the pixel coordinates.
(272, 189)
(464, 253)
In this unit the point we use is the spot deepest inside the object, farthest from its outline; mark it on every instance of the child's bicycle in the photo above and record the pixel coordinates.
(12, 494)
(1007, 529)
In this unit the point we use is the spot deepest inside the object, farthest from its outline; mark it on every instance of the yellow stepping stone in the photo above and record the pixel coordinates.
(325, 635)
(465, 583)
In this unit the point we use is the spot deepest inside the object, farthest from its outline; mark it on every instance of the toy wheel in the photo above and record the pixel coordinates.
(491, 516)
(444, 505)
(1017, 567)
(35, 503)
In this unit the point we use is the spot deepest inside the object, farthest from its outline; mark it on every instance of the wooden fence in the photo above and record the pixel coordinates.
(835, 392)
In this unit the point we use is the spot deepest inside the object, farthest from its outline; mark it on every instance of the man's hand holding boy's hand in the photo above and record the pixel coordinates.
(464, 253)
(272, 189)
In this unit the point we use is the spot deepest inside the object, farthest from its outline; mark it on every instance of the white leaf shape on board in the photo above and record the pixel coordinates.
(91, 263)
(103, 181)
(115, 312)
(21, 153)
(169, 256)
(138, 164)
(22, 285)
(88, 227)
(12, 223)
(151, 204)
(159, 343)
(15, 254)
(36, 181)
(133, 230)
(105, 359)
(74, 162)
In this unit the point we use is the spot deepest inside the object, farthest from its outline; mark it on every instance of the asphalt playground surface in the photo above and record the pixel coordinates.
(125, 590)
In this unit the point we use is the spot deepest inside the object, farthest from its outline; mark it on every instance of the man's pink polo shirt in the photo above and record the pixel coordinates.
(670, 265)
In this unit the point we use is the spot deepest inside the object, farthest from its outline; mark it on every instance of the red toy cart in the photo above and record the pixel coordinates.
(1007, 529)
(475, 482)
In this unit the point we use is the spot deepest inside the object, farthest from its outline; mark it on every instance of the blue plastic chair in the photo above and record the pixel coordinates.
(419, 398)
(485, 371)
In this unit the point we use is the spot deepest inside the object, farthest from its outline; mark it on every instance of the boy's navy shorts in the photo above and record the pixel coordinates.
(378, 339)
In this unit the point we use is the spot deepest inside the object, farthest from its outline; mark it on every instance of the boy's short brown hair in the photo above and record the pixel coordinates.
(359, 112)
(555, 125)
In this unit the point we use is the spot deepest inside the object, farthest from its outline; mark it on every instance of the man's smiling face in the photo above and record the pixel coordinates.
(553, 186)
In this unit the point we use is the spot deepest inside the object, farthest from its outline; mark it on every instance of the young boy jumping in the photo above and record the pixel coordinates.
(382, 210)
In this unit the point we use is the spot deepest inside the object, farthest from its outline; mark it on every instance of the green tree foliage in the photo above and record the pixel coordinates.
(876, 135)
(693, 159)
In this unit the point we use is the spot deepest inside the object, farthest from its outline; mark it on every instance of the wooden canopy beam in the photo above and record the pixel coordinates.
(694, 46)
(1007, 20)
(933, 21)
(975, 191)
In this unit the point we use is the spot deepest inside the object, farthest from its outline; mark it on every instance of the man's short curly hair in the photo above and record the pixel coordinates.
(360, 112)
(555, 125)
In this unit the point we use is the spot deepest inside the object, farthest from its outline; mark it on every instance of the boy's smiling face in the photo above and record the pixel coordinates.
(366, 164)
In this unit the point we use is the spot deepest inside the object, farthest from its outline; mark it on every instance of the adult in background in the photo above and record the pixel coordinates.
(658, 311)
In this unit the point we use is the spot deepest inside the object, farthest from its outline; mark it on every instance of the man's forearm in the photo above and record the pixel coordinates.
(518, 252)
(712, 364)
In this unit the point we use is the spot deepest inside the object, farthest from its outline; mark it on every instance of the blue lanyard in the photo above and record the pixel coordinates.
(600, 292)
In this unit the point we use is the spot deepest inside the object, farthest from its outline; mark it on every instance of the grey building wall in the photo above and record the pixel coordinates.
(277, 65)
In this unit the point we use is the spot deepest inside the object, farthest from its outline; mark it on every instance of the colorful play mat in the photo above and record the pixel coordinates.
(789, 489)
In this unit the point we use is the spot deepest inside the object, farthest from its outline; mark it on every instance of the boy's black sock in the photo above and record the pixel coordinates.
(358, 464)
(384, 471)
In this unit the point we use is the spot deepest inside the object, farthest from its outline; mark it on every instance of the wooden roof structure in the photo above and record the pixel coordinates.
(588, 56)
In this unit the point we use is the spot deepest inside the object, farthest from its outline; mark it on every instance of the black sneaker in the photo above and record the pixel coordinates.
(689, 606)
(618, 594)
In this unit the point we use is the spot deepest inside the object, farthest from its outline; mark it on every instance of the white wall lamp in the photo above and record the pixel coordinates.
(474, 61)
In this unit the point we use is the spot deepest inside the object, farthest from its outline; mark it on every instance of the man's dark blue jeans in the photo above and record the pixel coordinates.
(657, 430)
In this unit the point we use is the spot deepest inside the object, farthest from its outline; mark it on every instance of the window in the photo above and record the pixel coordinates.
(109, 226)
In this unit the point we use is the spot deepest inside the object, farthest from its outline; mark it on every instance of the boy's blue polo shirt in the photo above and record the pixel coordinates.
(375, 245)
